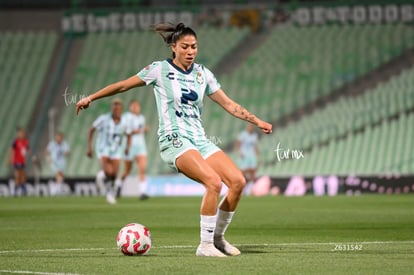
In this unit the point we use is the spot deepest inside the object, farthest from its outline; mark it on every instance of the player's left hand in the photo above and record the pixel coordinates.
(83, 104)
(266, 127)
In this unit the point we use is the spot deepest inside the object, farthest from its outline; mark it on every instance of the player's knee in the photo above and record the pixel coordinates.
(213, 183)
(238, 182)
(110, 175)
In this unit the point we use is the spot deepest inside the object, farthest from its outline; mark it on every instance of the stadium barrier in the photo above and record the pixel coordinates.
(178, 185)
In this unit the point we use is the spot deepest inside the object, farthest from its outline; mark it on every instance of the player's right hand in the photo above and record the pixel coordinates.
(89, 153)
(266, 127)
(83, 104)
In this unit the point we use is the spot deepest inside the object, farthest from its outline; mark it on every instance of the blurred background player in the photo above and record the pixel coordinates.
(57, 151)
(17, 158)
(109, 150)
(138, 150)
(248, 151)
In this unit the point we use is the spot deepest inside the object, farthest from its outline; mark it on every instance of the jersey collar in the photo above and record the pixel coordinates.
(169, 60)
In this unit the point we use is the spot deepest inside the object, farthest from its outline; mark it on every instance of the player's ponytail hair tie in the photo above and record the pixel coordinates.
(171, 34)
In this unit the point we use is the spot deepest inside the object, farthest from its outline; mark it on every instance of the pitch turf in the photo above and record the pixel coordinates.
(276, 235)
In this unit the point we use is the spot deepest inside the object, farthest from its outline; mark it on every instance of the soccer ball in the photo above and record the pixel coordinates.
(134, 239)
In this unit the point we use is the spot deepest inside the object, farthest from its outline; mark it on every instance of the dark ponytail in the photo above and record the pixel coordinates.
(171, 34)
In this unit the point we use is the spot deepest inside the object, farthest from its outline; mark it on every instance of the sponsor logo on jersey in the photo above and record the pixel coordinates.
(185, 80)
(185, 115)
(200, 78)
(170, 76)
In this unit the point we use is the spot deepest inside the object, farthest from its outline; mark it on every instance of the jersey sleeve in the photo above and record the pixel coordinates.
(67, 147)
(98, 123)
(150, 73)
(212, 84)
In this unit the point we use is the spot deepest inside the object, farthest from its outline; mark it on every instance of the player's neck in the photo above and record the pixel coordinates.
(116, 119)
(182, 66)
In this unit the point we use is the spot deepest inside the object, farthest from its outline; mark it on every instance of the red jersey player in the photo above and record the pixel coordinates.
(17, 158)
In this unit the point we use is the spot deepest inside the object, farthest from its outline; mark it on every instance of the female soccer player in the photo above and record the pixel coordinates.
(17, 157)
(138, 151)
(179, 87)
(57, 152)
(248, 153)
(109, 150)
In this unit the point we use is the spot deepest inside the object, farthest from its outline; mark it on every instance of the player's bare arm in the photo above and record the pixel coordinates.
(128, 145)
(90, 136)
(110, 90)
(238, 111)
(141, 131)
(10, 157)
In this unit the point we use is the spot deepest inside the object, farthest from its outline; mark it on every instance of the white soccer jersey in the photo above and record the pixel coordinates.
(110, 135)
(248, 143)
(58, 151)
(135, 122)
(179, 96)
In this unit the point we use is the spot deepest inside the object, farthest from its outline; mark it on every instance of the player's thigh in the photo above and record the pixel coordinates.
(115, 163)
(106, 164)
(128, 166)
(192, 164)
(226, 169)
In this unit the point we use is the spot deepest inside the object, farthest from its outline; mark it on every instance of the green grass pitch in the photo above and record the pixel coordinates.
(369, 234)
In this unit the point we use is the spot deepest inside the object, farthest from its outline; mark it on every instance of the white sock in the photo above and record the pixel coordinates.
(223, 220)
(207, 228)
(110, 187)
(142, 187)
(101, 175)
(118, 182)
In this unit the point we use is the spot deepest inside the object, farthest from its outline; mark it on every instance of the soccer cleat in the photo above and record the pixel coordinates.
(224, 246)
(144, 197)
(110, 198)
(208, 250)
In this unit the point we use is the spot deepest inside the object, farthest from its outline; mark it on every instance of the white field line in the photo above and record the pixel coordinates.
(34, 272)
(194, 246)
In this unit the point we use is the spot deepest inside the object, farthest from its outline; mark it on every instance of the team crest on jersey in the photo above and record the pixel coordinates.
(200, 78)
(177, 143)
